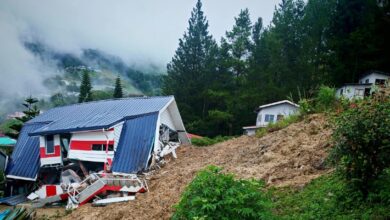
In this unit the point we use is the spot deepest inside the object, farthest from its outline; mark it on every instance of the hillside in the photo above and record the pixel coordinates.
(290, 157)
(104, 67)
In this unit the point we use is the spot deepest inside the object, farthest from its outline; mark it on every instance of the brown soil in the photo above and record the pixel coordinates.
(290, 157)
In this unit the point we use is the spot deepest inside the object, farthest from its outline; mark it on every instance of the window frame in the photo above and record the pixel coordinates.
(102, 147)
(270, 118)
(46, 145)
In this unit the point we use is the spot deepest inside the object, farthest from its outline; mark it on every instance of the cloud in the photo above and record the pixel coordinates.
(137, 31)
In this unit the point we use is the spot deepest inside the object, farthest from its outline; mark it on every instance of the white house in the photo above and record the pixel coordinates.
(365, 85)
(271, 113)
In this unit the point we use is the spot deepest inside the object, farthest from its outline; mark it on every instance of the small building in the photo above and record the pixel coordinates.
(271, 113)
(364, 87)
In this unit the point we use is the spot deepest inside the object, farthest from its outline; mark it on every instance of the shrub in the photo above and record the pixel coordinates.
(305, 107)
(205, 141)
(325, 99)
(362, 142)
(213, 195)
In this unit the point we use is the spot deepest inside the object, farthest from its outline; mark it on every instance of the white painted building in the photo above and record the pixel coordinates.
(271, 113)
(364, 87)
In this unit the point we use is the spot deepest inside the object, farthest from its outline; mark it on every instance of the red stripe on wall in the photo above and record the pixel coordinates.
(57, 152)
(86, 145)
(51, 191)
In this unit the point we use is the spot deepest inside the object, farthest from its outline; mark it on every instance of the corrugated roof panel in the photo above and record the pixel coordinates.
(97, 114)
(13, 200)
(24, 162)
(135, 144)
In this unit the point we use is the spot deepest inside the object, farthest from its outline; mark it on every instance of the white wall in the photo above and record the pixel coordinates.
(89, 137)
(49, 159)
(372, 77)
(166, 118)
(281, 109)
(171, 117)
(352, 91)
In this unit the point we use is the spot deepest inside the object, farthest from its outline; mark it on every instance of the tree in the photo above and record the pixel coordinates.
(85, 88)
(57, 100)
(30, 113)
(240, 43)
(192, 68)
(358, 39)
(118, 93)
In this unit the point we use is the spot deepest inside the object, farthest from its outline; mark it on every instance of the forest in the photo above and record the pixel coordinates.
(218, 84)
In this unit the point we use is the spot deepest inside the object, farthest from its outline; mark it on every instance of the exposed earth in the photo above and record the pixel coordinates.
(289, 157)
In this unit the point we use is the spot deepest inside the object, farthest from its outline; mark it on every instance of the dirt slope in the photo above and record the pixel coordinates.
(292, 156)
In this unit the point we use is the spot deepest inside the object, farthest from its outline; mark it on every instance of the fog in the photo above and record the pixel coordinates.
(139, 32)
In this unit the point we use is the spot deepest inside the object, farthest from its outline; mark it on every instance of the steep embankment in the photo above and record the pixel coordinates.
(292, 156)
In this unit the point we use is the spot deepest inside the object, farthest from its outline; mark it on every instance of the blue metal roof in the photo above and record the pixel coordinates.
(96, 115)
(13, 200)
(135, 144)
(24, 162)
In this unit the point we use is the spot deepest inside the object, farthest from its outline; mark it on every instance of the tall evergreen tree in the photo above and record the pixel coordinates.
(118, 93)
(240, 42)
(85, 88)
(192, 68)
(31, 112)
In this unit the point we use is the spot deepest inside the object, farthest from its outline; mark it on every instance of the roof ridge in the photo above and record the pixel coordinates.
(113, 99)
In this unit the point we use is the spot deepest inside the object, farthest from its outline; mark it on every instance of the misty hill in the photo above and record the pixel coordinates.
(104, 68)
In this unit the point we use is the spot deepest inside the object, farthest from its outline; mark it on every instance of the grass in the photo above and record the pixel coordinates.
(205, 141)
(328, 197)
(272, 127)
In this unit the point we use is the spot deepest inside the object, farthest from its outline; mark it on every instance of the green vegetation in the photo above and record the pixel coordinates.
(15, 126)
(118, 93)
(362, 137)
(309, 44)
(205, 141)
(214, 195)
(329, 197)
(85, 88)
(359, 188)
(278, 125)
(325, 99)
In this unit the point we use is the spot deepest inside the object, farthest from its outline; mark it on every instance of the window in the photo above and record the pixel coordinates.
(380, 81)
(49, 144)
(102, 147)
(367, 81)
(279, 117)
(97, 147)
(341, 91)
(359, 92)
(269, 118)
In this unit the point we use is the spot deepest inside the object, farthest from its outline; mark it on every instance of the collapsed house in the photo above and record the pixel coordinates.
(79, 151)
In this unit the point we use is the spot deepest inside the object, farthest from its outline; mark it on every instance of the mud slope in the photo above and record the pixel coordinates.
(292, 156)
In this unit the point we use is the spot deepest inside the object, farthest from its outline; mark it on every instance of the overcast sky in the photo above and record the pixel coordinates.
(137, 31)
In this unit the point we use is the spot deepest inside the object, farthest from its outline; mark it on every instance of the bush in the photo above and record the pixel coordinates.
(305, 107)
(362, 142)
(213, 195)
(205, 141)
(325, 99)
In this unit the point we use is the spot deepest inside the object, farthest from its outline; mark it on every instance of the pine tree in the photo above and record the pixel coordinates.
(118, 93)
(85, 88)
(240, 42)
(31, 112)
(192, 68)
